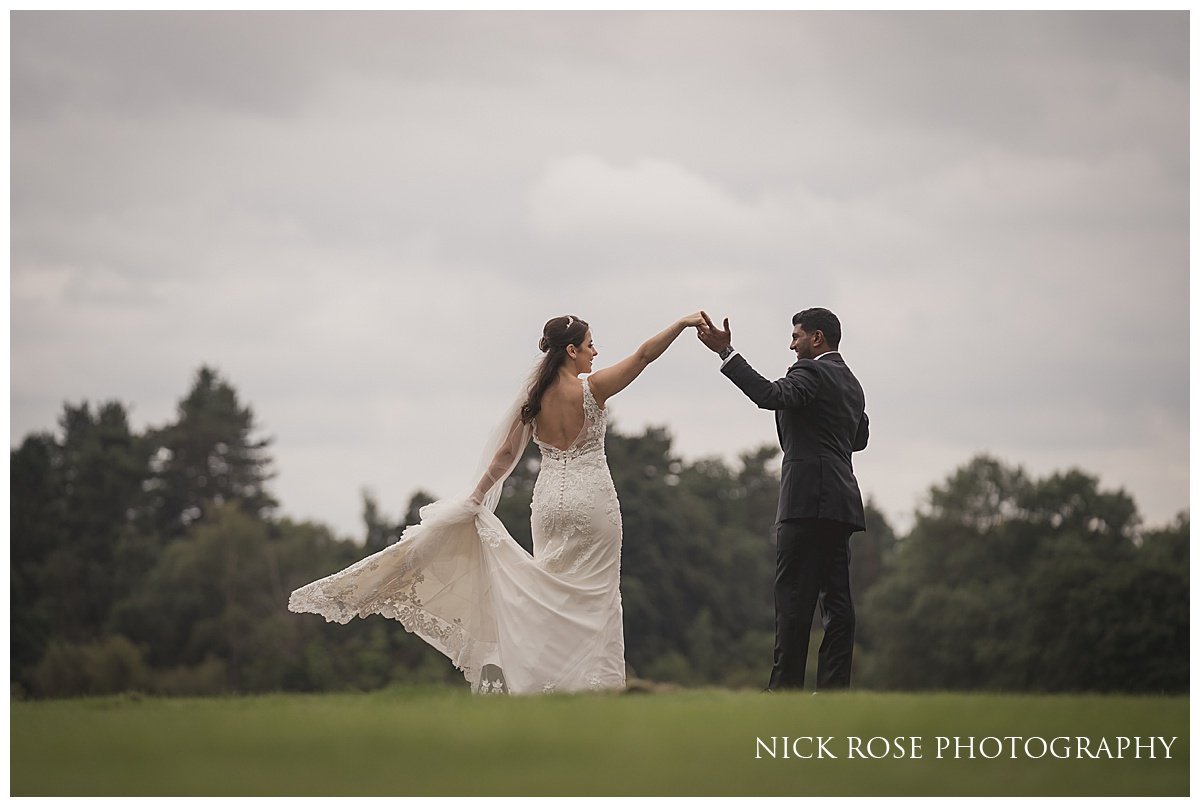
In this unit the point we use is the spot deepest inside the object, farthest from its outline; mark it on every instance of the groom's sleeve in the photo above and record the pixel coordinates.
(860, 438)
(797, 388)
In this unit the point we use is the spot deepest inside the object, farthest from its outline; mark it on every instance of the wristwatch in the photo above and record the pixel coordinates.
(726, 353)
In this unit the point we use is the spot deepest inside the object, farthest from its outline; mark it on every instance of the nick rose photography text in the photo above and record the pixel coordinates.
(1009, 747)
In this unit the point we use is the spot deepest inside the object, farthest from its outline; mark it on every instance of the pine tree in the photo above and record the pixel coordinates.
(208, 457)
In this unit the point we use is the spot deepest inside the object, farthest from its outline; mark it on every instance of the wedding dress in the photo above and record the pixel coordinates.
(510, 621)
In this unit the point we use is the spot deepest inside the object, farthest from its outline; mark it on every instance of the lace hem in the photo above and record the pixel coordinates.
(448, 637)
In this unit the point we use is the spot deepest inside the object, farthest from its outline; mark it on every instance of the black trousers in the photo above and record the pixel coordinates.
(813, 566)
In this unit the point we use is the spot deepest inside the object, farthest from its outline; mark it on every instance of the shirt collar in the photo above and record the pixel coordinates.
(827, 353)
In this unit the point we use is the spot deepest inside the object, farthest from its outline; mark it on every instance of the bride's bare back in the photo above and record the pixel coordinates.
(560, 420)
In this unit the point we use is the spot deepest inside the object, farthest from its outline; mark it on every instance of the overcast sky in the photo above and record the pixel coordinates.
(362, 220)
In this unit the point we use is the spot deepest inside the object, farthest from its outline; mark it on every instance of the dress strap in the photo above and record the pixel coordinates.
(591, 409)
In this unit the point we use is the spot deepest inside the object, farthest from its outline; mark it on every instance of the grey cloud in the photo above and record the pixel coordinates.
(343, 211)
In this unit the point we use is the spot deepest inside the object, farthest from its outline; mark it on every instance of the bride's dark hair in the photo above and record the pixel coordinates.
(558, 333)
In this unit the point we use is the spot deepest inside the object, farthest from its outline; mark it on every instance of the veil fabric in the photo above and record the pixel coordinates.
(502, 450)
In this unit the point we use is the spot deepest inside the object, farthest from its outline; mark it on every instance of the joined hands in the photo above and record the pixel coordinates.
(713, 338)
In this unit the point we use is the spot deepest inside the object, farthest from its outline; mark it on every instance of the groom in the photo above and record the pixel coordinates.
(819, 413)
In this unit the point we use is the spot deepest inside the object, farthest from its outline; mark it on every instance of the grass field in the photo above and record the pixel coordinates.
(437, 741)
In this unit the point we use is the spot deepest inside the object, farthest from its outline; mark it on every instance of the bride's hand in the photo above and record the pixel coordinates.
(692, 320)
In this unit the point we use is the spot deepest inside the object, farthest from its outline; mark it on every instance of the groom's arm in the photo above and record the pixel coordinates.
(860, 438)
(798, 388)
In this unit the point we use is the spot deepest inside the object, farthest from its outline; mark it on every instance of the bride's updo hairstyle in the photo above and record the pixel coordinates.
(558, 333)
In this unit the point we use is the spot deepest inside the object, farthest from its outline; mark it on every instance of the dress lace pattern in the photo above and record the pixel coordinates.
(550, 622)
(571, 486)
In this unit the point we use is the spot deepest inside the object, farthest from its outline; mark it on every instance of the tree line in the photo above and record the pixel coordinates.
(158, 561)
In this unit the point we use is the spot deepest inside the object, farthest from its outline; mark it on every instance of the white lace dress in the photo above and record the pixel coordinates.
(512, 622)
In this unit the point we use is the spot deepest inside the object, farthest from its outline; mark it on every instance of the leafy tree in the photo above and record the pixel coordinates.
(380, 531)
(208, 457)
(1013, 583)
(36, 522)
(75, 498)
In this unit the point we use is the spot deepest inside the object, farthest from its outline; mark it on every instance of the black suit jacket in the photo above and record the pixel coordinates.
(821, 418)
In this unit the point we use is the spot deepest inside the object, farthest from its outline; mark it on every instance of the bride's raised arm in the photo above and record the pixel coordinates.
(611, 380)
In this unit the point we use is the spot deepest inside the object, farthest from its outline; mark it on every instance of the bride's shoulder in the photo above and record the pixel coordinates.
(568, 387)
(564, 392)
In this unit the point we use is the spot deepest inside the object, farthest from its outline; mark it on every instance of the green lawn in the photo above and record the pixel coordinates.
(435, 741)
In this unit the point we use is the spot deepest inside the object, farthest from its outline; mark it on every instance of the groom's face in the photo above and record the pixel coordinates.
(802, 343)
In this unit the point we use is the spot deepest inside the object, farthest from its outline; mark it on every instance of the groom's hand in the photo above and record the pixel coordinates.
(714, 339)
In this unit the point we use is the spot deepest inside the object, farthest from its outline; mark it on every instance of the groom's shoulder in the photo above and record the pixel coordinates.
(805, 366)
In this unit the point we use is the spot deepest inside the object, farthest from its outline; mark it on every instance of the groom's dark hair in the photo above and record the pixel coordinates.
(823, 320)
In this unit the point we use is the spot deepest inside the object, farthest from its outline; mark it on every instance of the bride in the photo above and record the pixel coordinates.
(510, 621)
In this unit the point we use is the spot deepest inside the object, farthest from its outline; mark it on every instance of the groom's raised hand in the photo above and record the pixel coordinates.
(714, 339)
